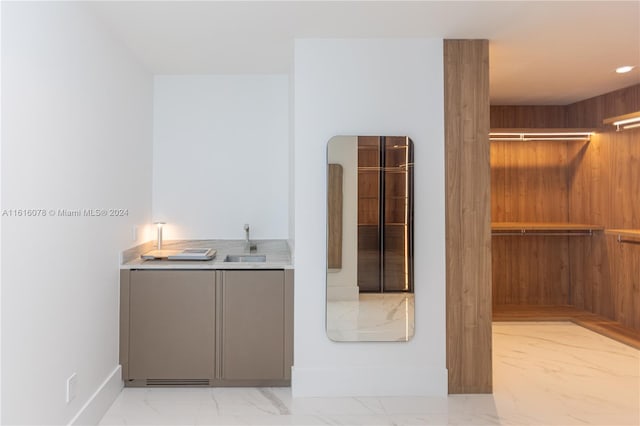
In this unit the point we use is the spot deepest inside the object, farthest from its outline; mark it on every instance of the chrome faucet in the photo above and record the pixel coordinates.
(251, 246)
(159, 234)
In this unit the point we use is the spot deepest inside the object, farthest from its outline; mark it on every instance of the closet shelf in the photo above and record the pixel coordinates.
(543, 228)
(631, 236)
(626, 121)
(540, 134)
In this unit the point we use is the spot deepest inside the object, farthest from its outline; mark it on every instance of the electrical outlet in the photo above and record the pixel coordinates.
(72, 384)
(134, 233)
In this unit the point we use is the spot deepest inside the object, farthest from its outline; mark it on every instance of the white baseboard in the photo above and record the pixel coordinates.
(368, 381)
(93, 410)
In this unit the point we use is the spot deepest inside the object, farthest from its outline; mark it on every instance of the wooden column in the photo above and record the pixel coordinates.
(468, 215)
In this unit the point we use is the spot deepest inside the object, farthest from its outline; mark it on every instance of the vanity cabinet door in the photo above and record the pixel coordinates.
(256, 326)
(172, 326)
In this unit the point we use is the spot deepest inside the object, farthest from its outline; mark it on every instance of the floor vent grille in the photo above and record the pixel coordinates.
(177, 382)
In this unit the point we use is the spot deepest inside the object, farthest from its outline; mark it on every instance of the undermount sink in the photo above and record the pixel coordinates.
(245, 258)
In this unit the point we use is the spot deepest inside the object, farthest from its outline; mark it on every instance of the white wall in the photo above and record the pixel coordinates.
(76, 133)
(342, 284)
(292, 185)
(221, 155)
(0, 219)
(370, 87)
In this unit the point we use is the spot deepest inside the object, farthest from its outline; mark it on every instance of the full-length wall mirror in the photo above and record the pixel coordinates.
(370, 294)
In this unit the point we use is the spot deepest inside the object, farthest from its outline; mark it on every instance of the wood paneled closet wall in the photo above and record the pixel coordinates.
(596, 182)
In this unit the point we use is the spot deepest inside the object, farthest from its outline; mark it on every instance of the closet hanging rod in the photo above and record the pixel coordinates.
(525, 136)
(525, 233)
(624, 240)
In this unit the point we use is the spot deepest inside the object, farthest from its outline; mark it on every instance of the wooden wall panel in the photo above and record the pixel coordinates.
(626, 283)
(591, 112)
(529, 183)
(589, 200)
(623, 211)
(530, 271)
(588, 113)
(624, 206)
(468, 215)
(527, 116)
(606, 190)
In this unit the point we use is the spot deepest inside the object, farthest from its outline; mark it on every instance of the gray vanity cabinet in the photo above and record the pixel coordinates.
(172, 327)
(256, 326)
(206, 327)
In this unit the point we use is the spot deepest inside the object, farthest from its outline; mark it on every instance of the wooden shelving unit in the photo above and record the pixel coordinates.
(543, 228)
(589, 281)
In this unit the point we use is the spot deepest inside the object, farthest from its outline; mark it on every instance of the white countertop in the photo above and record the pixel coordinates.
(276, 251)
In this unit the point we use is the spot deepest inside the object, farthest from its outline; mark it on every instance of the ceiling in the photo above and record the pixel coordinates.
(541, 52)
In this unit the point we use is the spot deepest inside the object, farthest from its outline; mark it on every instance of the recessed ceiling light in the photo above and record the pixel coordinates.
(624, 69)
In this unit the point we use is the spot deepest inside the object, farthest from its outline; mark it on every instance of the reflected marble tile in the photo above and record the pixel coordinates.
(374, 317)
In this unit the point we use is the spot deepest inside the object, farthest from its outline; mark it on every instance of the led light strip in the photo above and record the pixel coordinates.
(629, 123)
(624, 122)
(540, 136)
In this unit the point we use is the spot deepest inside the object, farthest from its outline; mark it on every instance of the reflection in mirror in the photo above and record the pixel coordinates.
(370, 238)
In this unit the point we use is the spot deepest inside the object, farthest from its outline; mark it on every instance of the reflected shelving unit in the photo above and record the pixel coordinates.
(385, 214)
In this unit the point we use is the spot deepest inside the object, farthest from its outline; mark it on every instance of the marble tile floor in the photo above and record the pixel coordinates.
(374, 317)
(544, 374)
